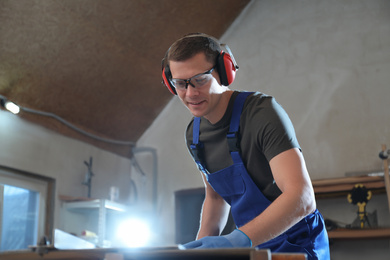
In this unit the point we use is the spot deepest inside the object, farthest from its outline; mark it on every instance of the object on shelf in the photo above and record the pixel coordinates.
(384, 155)
(64, 240)
(331, 224)
(88, 176)
(360, 196)
(114, 193)
(89, 236)
(371, 218)
(372, 173)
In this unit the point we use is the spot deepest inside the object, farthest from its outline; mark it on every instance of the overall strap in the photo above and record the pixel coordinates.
(195, 130)
(233, 134)
(197, 147)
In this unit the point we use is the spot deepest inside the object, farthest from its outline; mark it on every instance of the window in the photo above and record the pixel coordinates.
(26, 210)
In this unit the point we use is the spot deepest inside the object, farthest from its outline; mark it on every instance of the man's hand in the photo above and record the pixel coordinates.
(235, 239)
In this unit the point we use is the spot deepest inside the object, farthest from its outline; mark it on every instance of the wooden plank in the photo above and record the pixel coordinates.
(379, 233)
(338, 187)
(154, 254)
(347, 187)
(204, 254)
(143, 254)
(288, 256)
(83, 254)
(346, 180)
(263, 254)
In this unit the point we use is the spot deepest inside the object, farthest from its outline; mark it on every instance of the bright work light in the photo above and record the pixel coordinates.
(133, 233)
(12, 107)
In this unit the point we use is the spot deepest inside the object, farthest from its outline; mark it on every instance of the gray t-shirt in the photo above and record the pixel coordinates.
(265, 131)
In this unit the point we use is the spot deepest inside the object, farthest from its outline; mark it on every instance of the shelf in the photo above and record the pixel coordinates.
(338, 187)
(103, 211)
(96, 204)
(379, 233)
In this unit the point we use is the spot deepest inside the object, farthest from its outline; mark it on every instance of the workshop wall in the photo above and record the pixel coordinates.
(35, 149)
(327, 63)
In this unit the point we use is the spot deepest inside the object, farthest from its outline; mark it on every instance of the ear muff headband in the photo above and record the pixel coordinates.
(226, 66)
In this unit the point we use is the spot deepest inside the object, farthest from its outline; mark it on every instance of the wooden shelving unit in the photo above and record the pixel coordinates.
(340, 187)
(101, 210)
(324, 189)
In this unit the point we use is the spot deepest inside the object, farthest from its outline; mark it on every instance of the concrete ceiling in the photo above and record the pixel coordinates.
(97, 63)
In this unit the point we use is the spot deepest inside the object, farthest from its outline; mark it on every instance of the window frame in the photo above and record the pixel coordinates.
(44, 185)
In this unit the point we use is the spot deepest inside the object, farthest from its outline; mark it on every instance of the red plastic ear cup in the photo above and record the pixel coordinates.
(226, 69)
(166, 74)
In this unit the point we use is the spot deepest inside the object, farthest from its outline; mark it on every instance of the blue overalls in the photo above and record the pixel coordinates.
(247, 201)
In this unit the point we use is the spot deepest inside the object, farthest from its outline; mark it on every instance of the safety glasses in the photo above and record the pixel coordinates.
(196, 81)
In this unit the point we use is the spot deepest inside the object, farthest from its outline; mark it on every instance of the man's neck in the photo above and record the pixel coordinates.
(220, 110)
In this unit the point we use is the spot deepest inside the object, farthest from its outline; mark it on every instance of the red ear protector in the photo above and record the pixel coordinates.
(166, 75)
(225, 66)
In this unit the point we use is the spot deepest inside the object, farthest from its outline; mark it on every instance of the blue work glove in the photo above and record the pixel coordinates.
(235, 239)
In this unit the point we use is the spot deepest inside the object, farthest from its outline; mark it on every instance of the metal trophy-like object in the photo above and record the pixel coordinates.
(360, 196)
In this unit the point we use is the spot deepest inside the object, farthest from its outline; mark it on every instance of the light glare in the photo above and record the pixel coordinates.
(133, 233)
(12, 107)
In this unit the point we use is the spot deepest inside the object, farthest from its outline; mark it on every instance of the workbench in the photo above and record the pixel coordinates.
(153, 254)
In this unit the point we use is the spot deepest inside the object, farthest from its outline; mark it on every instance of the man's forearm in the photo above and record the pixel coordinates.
(283, 213)
(214, 216)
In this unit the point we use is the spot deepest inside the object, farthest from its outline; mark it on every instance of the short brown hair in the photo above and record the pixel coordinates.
(192, 44)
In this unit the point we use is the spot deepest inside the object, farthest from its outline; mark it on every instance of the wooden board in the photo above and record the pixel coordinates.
(154, 254)
(380, 233)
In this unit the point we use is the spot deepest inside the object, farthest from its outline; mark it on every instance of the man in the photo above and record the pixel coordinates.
(245, 146)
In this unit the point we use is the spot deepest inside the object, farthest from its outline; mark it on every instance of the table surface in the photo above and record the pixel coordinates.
(151, 254)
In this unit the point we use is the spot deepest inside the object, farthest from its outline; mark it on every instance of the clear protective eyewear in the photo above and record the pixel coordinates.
(196, 81)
